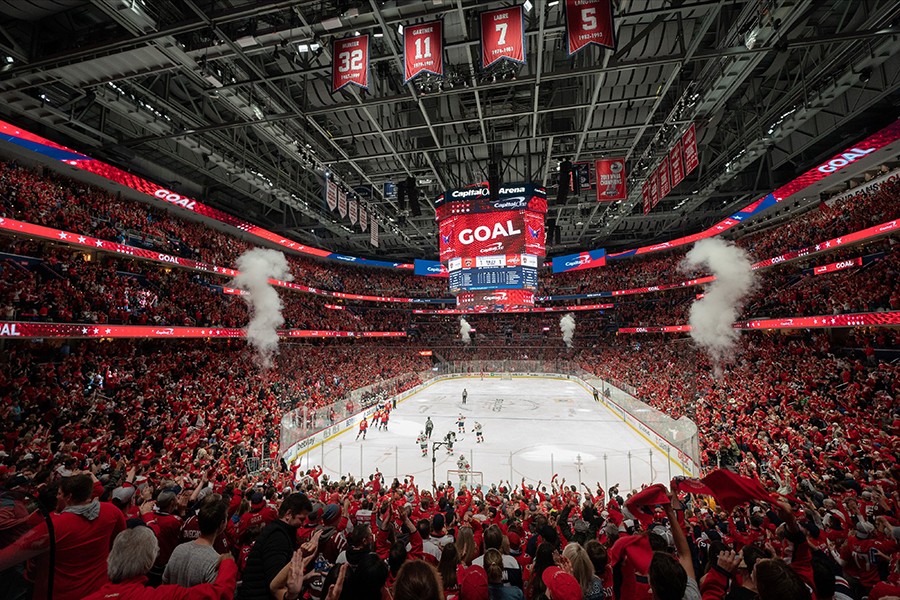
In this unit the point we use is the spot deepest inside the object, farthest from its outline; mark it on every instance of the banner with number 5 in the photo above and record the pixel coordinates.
(350, 62)
(423, 49)
(502, 35)
(589, 22)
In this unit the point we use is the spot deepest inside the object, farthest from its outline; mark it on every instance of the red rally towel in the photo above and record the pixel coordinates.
(729, 489)
(635, 547)
(641, 504)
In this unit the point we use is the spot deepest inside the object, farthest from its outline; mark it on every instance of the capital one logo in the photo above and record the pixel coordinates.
(482, 233)
(497, 297)
(848, 157)
(581, 260)
(174, 198)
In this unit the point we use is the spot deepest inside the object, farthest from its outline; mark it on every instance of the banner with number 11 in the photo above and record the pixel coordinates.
(423, 49)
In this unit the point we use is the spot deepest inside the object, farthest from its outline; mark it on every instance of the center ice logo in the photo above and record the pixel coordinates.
(498, 405)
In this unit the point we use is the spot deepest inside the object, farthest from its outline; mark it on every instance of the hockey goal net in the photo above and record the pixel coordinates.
(470, 479)
(506, 375)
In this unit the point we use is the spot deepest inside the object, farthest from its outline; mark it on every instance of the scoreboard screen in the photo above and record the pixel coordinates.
(493, 278)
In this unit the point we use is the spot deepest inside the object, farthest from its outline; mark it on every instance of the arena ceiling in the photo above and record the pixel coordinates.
(218, 100)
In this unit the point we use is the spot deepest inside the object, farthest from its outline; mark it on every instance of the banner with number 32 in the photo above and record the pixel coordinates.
(350, 62)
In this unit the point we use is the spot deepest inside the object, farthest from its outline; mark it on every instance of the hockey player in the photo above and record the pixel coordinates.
(465, 395)
(363, 426)
(463, 465)
(478, 436)
(429, 426)
(461, 423)
(450, 438)
(423, 443)
(384, 418)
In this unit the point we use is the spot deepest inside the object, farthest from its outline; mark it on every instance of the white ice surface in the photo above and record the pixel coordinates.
(543, 425)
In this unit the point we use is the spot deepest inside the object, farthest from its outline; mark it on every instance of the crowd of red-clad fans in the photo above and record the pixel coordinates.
(142, 451)
(135, 458)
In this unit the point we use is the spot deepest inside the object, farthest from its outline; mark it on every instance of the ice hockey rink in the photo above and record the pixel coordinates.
(533, 427)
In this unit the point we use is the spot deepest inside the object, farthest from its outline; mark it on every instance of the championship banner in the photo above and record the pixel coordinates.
(354, 211)
(611, 185)
(364, 192)
(363, 219)
(689, 142)
(373, 238)
(342, 203)
(654, 189)
(663, 175)
(589, 22)
(423, 49)
(675, 162)
(350, 62)
(502, 35)
(331, 194)
(645, 195)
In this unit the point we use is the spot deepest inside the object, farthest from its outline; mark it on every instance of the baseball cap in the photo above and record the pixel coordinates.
(123, 494)
(437, 523)
(514, 540)
(165, 497)
(473, 584)
(331, 514)
(863, 529)
(562, 586)
(257, 500)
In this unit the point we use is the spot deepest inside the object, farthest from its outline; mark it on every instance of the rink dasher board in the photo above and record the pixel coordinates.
(681, 460)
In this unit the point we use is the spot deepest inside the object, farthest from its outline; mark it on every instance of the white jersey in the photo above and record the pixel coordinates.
(478, 427)
(461, 420)
(463, 464)
(422, 439)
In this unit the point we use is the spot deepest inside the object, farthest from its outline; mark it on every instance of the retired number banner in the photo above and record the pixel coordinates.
(589, 22)
(645, 195)
(664, 181)
(423, 49)
(350, 62)
(675, 162)
(502, 35)
(654, 189)
(689, 142)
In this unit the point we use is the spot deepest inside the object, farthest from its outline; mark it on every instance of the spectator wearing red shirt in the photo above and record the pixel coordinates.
(167, 528)
(84, 531)
(133, 555)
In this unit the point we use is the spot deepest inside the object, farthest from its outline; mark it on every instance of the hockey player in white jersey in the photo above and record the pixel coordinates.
(461, 423)
(423, 443)
(463, 465)
(478, 436)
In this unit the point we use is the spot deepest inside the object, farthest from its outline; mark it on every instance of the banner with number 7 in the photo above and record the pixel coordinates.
(589, 22)
(502, 35)
(423, 49)
(350, 62)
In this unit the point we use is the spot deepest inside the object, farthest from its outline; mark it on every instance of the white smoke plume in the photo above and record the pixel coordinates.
(567, 325)
(257, 266)
(712, 316)
(464, 329)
